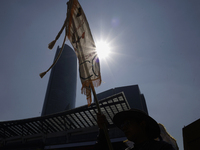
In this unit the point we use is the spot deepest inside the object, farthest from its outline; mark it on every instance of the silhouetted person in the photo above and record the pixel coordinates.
(138, 127)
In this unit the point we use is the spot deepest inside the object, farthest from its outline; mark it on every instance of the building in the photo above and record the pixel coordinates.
(71, 129)
(191, 136)
(133, 95)
(61, 89)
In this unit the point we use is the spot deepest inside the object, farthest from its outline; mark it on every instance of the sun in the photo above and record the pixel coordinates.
(103, 49)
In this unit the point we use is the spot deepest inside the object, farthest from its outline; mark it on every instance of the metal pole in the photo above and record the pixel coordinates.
(99, 111)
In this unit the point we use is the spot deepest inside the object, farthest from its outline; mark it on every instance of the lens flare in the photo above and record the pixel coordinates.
(103, 49)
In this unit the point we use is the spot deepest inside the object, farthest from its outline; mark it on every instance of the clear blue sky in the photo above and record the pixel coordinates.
(155, 44)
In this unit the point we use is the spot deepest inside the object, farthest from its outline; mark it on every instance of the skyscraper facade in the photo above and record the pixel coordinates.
(61, 89)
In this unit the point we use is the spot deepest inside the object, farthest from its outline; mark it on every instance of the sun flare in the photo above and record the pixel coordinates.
(103, 49)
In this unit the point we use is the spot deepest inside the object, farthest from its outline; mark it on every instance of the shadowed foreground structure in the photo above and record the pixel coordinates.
(71, 129)
(191, 136)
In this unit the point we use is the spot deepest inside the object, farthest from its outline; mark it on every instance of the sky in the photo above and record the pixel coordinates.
(153, 43)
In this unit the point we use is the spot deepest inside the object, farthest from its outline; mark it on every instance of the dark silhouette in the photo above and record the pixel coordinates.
(140, 129)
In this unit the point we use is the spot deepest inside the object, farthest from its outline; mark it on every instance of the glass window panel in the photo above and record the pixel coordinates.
(120, 98)
(72, 122)
(77, 121)
(115, 100)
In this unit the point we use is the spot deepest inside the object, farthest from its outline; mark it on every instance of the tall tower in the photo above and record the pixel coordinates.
(61, 89)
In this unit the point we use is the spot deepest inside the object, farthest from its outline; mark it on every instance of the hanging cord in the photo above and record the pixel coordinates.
(43, 73)
(51, 45)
